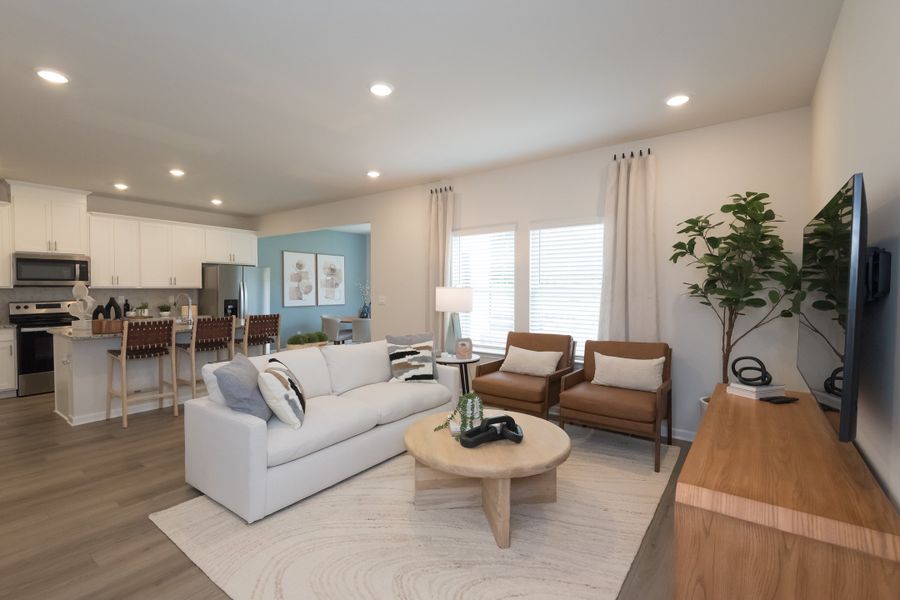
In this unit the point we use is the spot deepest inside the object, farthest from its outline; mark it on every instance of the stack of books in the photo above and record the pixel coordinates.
(757, 392)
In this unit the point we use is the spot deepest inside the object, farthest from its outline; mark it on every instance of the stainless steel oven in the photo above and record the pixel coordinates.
(36, 269)
(35, 343)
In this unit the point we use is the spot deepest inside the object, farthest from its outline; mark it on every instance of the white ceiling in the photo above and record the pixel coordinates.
(266, 104)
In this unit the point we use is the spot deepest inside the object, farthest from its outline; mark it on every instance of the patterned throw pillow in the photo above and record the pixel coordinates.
(282, 393)
(412, 357)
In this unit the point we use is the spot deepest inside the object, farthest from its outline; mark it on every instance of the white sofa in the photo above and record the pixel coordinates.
(355, 418)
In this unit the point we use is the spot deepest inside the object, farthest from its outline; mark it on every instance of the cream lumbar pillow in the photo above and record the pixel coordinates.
(644, 374)
(282, 393)
(530, 362)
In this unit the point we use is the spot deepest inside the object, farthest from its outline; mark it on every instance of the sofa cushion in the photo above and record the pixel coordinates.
(397, 400)
(412, 357)
(208, 371)
(530, 362)
(630, 373)
(310, 368)
(238, 384)
(355, 365)
(511, 385)
(619, 403)
(327, 421)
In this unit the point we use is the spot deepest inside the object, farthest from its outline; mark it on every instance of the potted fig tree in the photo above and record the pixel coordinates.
(748, 280)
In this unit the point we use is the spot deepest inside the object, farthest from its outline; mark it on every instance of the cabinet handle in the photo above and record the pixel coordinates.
(55, 246)
(10, 349)
(175, 279)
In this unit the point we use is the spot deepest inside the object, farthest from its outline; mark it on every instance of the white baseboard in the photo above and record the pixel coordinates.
(684, 435)
(145, 406)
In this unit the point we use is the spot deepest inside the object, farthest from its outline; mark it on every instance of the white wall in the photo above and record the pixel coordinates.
(698, 169)
(856, 128)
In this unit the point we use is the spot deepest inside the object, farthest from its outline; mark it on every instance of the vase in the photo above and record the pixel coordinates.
(366, 311)
(112, 309)
(470, 411)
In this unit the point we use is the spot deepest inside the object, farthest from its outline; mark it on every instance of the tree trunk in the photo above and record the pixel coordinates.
(727, 334)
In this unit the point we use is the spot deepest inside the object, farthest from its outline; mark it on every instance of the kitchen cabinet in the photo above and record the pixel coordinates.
(7, 359)
(171, 256)
(231, 246)
(6, 245)
(115, 252)
(49, 219)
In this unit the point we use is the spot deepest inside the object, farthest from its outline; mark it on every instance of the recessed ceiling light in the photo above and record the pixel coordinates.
(176, 172)
(381, 89)
(373, 174)
(120, 186)
(677, 100)
(53, 76)
(216, 201)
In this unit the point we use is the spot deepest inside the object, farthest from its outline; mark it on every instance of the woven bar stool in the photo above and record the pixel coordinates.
(260, 330)
(142, 340)
(210, 334)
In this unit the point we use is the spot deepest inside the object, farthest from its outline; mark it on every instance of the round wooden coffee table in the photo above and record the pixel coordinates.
(494, 475)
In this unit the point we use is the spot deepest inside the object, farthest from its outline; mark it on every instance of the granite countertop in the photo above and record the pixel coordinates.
(87, 335)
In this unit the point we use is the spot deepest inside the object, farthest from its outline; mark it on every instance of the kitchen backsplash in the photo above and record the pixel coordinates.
(152, 297)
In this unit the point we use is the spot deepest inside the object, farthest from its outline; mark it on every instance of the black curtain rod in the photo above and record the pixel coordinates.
(640, 153)
(441, 190)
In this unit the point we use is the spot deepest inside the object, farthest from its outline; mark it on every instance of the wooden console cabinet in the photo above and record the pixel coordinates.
(770, 505)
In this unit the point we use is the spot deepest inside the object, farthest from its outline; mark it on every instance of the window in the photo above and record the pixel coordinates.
(485, 262)
(566, 278)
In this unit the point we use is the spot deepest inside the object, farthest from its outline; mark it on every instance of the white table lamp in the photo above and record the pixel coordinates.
(453, 301)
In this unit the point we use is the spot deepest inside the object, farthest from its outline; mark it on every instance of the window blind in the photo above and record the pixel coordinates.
(486, 263)
(566, 272)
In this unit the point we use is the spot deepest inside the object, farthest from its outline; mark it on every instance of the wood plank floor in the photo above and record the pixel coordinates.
(74, 503)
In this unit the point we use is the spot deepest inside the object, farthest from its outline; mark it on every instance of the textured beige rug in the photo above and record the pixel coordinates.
(363, 538)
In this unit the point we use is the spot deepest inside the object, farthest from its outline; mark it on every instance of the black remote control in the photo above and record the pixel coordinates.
(779, 399)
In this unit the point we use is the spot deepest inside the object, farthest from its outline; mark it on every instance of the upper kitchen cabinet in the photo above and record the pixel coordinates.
(171, 255)
(115, 252)
(49, 219)
(231, 246)
(6, 246)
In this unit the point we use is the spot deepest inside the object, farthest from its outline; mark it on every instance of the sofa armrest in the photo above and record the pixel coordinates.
(572, 379)
(225, 456)
(488, 367)
(449, 378)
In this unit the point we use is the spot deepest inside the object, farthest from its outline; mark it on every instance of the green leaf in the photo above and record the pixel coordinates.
(755, 302)
(774, 297)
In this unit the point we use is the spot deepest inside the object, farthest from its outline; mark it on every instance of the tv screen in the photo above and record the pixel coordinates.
(832, 296)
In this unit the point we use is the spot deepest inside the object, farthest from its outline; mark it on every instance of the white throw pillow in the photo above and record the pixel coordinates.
(644, 374)
(530, 362)
(355, 365)
(282, 397)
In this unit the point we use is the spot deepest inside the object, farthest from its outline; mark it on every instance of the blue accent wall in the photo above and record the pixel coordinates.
(354, 247)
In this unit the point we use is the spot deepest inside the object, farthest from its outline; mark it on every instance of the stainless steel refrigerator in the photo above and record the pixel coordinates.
(235, 290)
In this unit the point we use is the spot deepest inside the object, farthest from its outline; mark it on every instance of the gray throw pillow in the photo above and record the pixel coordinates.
(412, 357)
(238, 382)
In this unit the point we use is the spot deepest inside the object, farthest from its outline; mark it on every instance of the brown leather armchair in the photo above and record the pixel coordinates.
(525, 393)
(628, 411)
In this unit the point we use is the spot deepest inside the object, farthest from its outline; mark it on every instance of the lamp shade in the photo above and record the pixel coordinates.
(453, 300)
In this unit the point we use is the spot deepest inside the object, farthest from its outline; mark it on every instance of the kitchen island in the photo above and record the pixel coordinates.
(80, 366)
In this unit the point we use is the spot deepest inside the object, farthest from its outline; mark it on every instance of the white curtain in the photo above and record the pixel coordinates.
(628, 309)
(440, 232)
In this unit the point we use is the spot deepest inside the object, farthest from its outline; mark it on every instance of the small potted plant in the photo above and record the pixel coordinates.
(143, 309)
(164, 310)
(307, 340)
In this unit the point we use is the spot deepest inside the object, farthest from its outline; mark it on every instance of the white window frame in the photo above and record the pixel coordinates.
(490, 346)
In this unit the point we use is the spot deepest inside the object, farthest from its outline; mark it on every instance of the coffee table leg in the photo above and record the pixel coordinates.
(495, 500)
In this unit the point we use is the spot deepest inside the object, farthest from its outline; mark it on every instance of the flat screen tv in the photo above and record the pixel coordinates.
(833, 292)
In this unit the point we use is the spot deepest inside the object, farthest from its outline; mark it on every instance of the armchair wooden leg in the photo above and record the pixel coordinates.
(562, 424)
(656, 460)
(669, 419)
(174, 381)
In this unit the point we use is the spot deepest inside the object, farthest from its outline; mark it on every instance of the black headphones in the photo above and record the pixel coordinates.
(491, 430)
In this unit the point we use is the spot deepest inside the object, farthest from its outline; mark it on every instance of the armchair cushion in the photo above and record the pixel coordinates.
(619, 403)
(631, 373)
(511, 385)
(530, 362)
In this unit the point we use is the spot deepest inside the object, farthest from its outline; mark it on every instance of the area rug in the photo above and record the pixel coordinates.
(363, 538)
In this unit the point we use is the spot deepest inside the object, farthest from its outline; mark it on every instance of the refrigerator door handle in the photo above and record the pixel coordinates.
(242, 301)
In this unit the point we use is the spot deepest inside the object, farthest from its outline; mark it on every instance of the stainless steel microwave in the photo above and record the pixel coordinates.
(36, 269)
